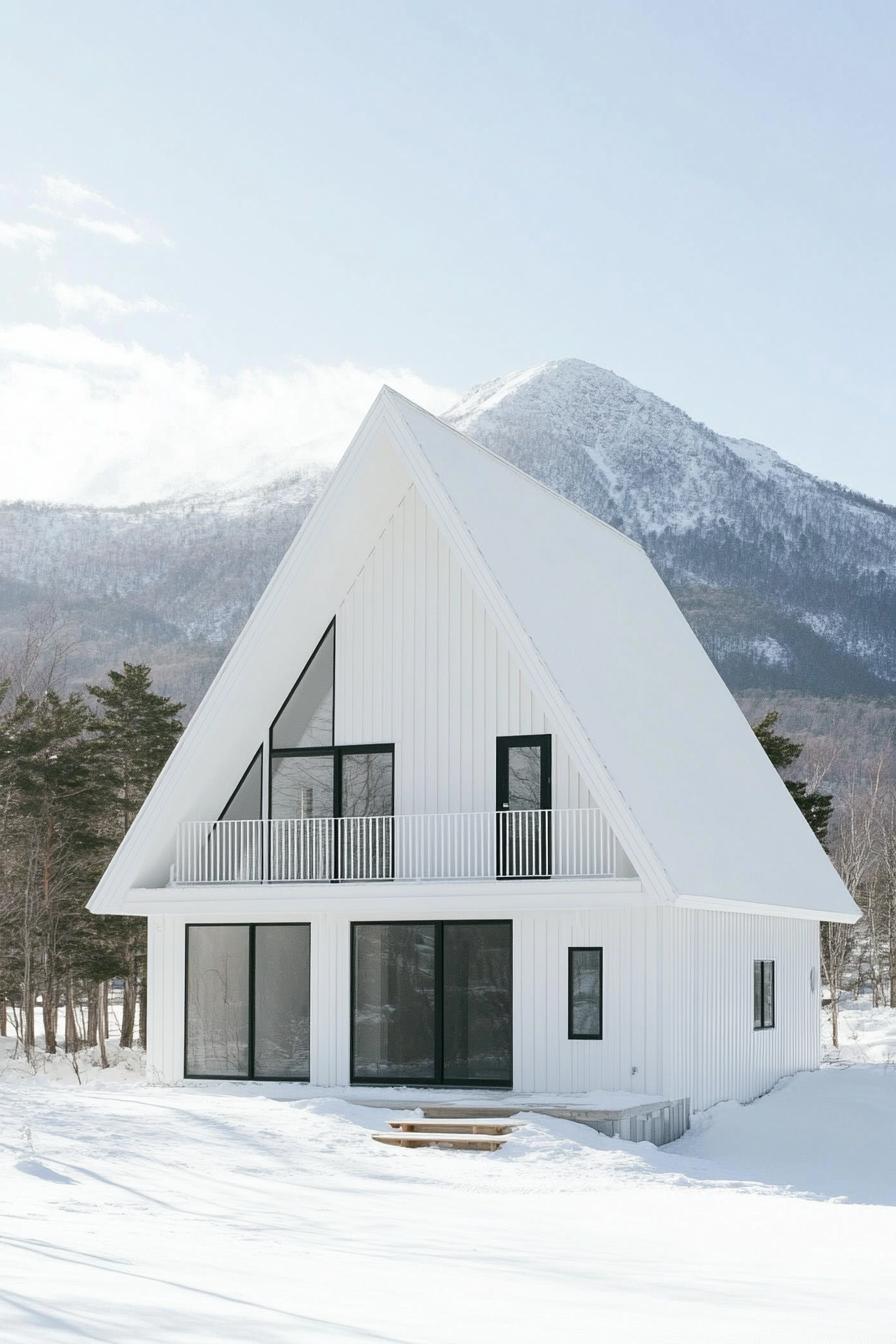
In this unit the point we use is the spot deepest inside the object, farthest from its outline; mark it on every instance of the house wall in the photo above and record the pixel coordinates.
(544, 1059)
(710, 1051)
(678, 998)
(420, 663)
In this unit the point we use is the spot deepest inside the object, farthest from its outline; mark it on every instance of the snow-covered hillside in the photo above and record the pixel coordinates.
(789, 581)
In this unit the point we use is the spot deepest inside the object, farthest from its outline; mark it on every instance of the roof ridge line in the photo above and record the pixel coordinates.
(511, 466)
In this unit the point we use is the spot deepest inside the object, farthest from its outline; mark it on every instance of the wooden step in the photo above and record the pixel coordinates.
(455, 1112)
(485, 1143)
(454, 1126)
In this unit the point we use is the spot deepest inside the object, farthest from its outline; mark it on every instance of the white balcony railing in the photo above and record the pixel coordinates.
(429, 847)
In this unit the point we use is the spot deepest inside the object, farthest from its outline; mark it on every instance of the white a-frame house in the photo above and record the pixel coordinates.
(468, 805)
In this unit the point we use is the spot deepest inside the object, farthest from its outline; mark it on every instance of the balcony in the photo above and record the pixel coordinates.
(429, 847)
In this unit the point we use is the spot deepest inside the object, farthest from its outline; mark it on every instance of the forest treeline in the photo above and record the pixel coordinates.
(74, 769)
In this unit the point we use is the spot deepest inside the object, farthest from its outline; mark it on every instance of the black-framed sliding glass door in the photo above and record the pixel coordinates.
(248, 1001)
(432, 1003)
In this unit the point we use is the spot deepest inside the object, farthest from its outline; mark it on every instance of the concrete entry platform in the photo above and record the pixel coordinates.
(629, 1116)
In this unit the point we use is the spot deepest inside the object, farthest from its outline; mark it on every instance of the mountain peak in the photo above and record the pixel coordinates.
(717, 515)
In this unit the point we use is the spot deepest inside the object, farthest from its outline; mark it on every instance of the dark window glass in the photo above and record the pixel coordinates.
(478, 1004)
(367, 784)
(282, 1000)
(524, 778)
(586, 993)
(393, 1009)
(306, 720)
(763, 995)
(302, 786)
(217, 1024)
(366, 791)
(245, 805)
(757, 995)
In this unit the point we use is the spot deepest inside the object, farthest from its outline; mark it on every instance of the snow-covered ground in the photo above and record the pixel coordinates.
(218, 1213)
(867, 1034)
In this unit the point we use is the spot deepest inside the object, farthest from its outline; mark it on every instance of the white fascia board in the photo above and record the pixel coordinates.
(373, 900)
(758, 908)
(597, 777)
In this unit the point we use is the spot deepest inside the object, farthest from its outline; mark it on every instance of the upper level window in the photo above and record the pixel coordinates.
(245, 801)
(586, 993)
(763, 995)
(306, 720)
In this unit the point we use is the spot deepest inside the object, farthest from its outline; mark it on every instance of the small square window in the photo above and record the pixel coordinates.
(586, 993)
(763, 995)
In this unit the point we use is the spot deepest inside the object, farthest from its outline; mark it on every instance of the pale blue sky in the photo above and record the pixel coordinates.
(700, 196)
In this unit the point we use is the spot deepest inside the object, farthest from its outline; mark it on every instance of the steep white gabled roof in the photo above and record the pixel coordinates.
(663, 746)
(657, 716)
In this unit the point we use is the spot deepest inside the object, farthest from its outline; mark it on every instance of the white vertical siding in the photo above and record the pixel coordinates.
(545, 1060)
(165, 999)
(678, 1000)
(419, 663)
(711, 1052)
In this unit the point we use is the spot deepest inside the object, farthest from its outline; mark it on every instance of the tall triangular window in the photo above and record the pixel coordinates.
(306, 720)
(245, 801)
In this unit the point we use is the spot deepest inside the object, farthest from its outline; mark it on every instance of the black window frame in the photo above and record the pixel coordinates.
(439, 926)
(337, 753)
(572, 1034)
(331, 749)
(542, 740)
(250, 1076)
(766, 971)
(503, 865)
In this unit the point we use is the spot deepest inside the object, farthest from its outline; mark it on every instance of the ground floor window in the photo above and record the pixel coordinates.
(586, 993)
(432, 1002)
(763, 995)
(248, 1001)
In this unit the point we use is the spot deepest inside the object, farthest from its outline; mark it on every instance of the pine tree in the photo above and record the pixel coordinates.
(53, 852)
(782, 752)
(135, 731)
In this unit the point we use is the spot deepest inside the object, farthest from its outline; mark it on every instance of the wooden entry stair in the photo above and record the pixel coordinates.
(470, 1133)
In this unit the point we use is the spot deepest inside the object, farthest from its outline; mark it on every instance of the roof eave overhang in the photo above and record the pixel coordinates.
(777, 911)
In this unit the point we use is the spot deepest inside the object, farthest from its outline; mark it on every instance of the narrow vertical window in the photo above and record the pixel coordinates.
(586, 993)
(763, 995)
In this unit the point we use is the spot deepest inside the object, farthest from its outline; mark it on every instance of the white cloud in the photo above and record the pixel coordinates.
(109, 228)
(111, 422)
(70, 196)
(15, 235)
(74, 300)
(86, 209)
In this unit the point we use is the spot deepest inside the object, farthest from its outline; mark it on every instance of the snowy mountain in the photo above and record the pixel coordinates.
(789, 581)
